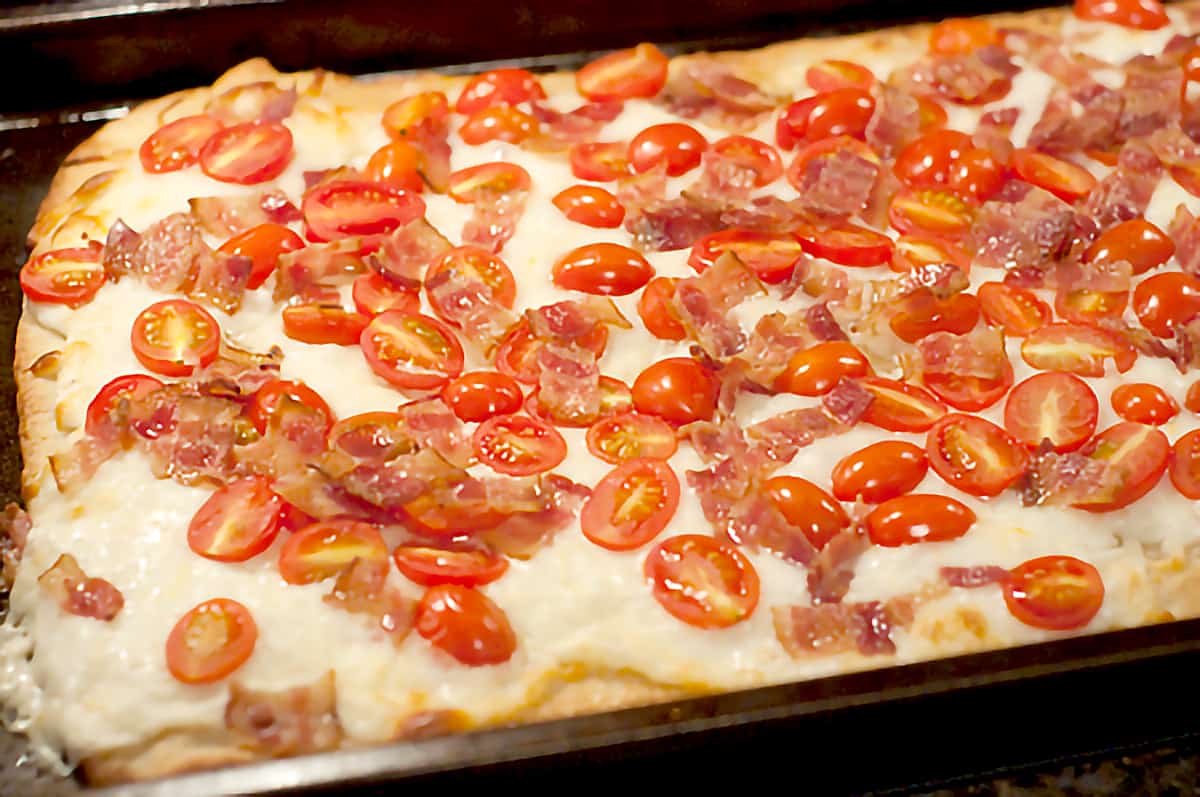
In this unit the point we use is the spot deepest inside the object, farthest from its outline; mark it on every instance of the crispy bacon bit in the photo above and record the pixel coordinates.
(536, 510)
(78, 594)
(832, 628)
(837, 186)
(972, 577)
(1126, 192)
(76, 465)
(667, 224)
(703, 303)
(221, 280)
(568, 321)
(704, 88)
(724, 177)
(1151, 98)
(1185, 232)
(433, 425)
(225, 216)
(963, 78)
(289, 722)
(119, 248)
(388, 486)
(560, 129)
(832, 571)
(822, 323)
(1029, 232)
(1187, 342)
(361, 589)
(494, 220)
(167, 251)
(1061, 130)
(314, 272)
(237, 373)
(198, 448)
(262, 101)
(568, 381)
(404, 254)
(786, 433)
(776, 337)
(847, 402)
(896, 121)
(994, 132)
(14, 533)
(1060, 479)
(979, 353)
(470, 304)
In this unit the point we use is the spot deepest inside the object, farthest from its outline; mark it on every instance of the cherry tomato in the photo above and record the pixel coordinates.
(949, 159)
(1054, 406)
(1143, 403)
(1185, 465)
(1135, 458)
(432, 566)
(487, 180)
(930, 114)
(975, 455)
(1192, 399)
(657, 311)
(916, 518)
(249, 153)
(771, 256)
(431, 516)
(498, 123)
(238, 521)
(211, 641)
(631, 505)
(1015, 310)
(1165, 301)
(1085, 305)
(814, 371)
(933, 212)
(474, 264)
(677, 389)
(466, 624)
(615, 397)
(1080, 350)
(703, 582)
(1137, 241)
(972, 392)
(899, 406)
(841, 112)
(324, 549)
(825, 149)
(847, 245)
(377, 436)
(130, 387)
(1139, 14)
(323, 324)
(752, 155)
(679, 146)
(176, 145)
(919, 249)
(397, 164)
(263, 245)
(879, 472)
(175, 337)
(806, 506)
(404, 116)
(637, 72)
(958, 36)
(1064, 179)
(832, 74)
(590, 205)
(374, 293)
(516, 445)
(1057, 593)
(600, 162)
(266, 402)
(412, 351)
(602, 269)
(631, 435)
(64, 276)
(517, 354)
(480, 395)
(920, 314)
(499, 87)
(347, 208)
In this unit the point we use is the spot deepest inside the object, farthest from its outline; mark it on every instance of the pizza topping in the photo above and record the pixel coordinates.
(516, 445)
(403, 256)
(838, 114)
(176, 145)
(247, 153)
(1057, 593)
(211, 641)
(64, 276)
(703, 88)
(499, 87)
(263, 245)
(360, 589)
(376, 293)
(412, 351)
(1029, 232)
(968, 372)
(225, 216)
(1143, 403)
(604, 269)
(497, 194)
(1126, 462)
(344, 208)
(78, 594)
(879, 472)
(1126, 192)
(175, 337)
(900, 406)
(837, 183)
(631, 505)
(1138, 14)
(1185, 465)
(831, 628)
(975, 455)
(237, 522)
(466, 624)
(701, 581)
(895, 123)
(1056, 409)
(473, 290)
(325, 549)
(637, 72)
(293, 721)
(916, 518)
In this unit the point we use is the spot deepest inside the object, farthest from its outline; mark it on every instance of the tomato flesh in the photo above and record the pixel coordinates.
(631, 435)
(263, 245)
(176, 145)
(753, 156)
(656, 309)
(374, 293)
(466, 624)
(833, 73)
(1064, 179)
(346, 208)
(676, 145)
(320, 324)
(932, 212)
(975, 455)
(498, 123)
(130, 387)
(900, 407)
(1056, 593)
(432, 566)
(677, 389)
(637, 72)
(601, 162)
(949, 159)
(848, 245)
(238, 521)
(516, 445)
(1015, 310)
(212, 640)
(266, 402)
(880, 472)
(411, 350)
(631, 505)
(398, 164)
(1138, 14)
(175, 337)
(1077, 349)
(372, 436)
(64, 276)
(1135, 458)
(324, 549)
(480, 395)
(918, 518)
(249, 153)
(920, 314)
(1185, 465)
(1136, 241)
(1055, 406)
(771, 256)
(703, 582)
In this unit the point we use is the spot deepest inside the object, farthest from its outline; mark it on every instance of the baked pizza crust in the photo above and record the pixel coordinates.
(572, 691)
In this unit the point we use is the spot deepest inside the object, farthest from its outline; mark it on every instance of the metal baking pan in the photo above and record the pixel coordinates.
(906, 728)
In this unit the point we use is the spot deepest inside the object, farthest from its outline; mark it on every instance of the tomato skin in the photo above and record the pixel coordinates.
(590, 205)
(375, 436)
(677, 389)
(398, 164)
(1137, 241)
(516, 445)
(1149, 452)
(432, 566)
(1015, 310)
(599, 161)
(1138, 14)
(1185, 465)
(480, 395)
(466, 624)
(131, 386)
(805, 505)
(405, 115)
(1064, 179)
(266, 402)
(374, 293)
(45, 279)
(975, 455)
(917, 249)
(347, 208)
(498, 87)
(517, 354)
(879, 472)
(961, 35)
(752, 154)
(656, 310)
(949, 159)
(324, 549)
(631, 435)
(674, 566)
(679, 146)
(1165, 301)
(771, 256)
(1081, 350)
(932, 212)
(971, 393)
(1143, 403)
(237, 522)
(498, 123)
(1192, 400)
(175, 337)
(918, 518)
(200, 652)
(1054, 406)
(832, 74)
(176, 145)
(486, 180)
(841, 112)
(389, 343)
(249, 153)
(323, 324)
(625, 74)
(848, 245)
(901, 407)
(630, 505)
(602, 269)
(263, 245)
(920, 314)
(815, 371)
(1056, 593)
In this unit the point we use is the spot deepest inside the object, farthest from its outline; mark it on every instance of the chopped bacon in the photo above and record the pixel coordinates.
(704, 88)
(362, 589)
(1151, 98)
(1060, 479)
(547, 505)
(433, 425)
(724, 177)
(119, 248)
(14, 533)
(76, 465)
(636, 191)
(994, 132)
(1061, 130)
(896, 121)
(847, 402)
(1032, 231)
(972, 577)
(198, 448)
(404, 254)
(314, 272)
(221, 280)
(568, 381)
(1185, 232)
(762, 214)
(667, 224)
(494, 219)
(570, 320)
(469, 303)
(786, 433)
(262, 101)
(225, 216)
(830, 573)
(389, 485)
(943, 280)
(560, 129)
(837, 628)
(237, 373)
(963, 78)
(755, 522)
(837, 186)
(293, 721)
(78, 594)
(1126, 192)
(822, 324)
(703, 305)
(978, 354)
(166, 254)
(1187, 342)
(769, 349)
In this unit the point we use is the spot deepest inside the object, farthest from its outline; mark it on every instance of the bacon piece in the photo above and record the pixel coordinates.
(198, 448)
(433, 425)
(972, 577)
(289, 722)
(1187, 341)
(238, 374)
(668, 224)
(221, 280)
(167, 252)
(494, 219)
(314, 272)
(786, 433)
(262, 101)
(979, 353)
(704, 88)
(962, 78)
(775, 339)
(568, 381)
(76, 465)
(994, 132)
(361, 589)
(388, 486)
(226, 216)
(822, 324)
(570, 320)
(755, 522)
(403, 255)
(560, 129)
(1060, 479)
(847, 402)
(1185, 232)
(15, 525)
(896, 121)
(832, 570)
(536, 510)
(119, 249)
(78, 594)
(469, 303)
(1151, 98)
(832, 628)
(724, 177)
(703, 305)
(1062, 130)
(1126, 192)
(636, 191)
(1029, 232)
(837, 186)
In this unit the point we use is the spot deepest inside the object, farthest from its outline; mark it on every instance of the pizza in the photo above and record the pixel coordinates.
(359, 410)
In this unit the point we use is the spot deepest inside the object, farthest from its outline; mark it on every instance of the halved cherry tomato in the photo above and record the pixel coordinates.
(517, 354)
(602, 269)
(1054, 406)
(932, 212)
(615, 398)
(498, 123)
(516, 445)
(499, 87)
(600, 162)
(480, 395)
(487, 180)
(679, 390)
(64, 276)
(1144, 403)
(378, 436)
(404, 116)
(815, 371)
(1139, 14)
(590, 205)
(1081, 350)
(412, 351)
(637, 72)
(209, 642)
(918, 249)
(1064, 179)
(1137, 241)
(989, 380)
(1165, 301)
(263, 245)
(899, 406)
(466, 624)
(631, 505)
(752, 155)
(374, 293)
(847, 245)
(917, 518)
(249, 153)
(949, 159)
(931, 115)
(130, 386)
(1192, 399)
(266, 402)
(1056, 593)
(238, 521)
(324, 324)
(807, 507)
(841, 112)
(771, 256)
(1185, 465)
(431, 516)
(920, 313)
(1085, 305)
(175, 337)
(432, 566)
(703, 582)
(879, 472)
(475, 263)
(832, 74)
(678, 145)
(631, 435)
(823, 150)
(345, 208)
(324, 549)
(959, 35)
(1135, 458)
(657, 312)
(975, 455)
(397, 164)
(176, 145)
(1015, 310)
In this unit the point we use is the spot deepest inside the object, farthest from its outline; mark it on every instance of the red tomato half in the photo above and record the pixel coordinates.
(466, 624)
(1143, 403)
(176, 145)
(771, 256)
(1135, 458)
(679, 390)
(614, 397)
(404, 116)
(960, 35)
(832, 74)
(752, 155)
(631, 505)
(1064, 179)
(1165, 301)
(175, 337)
(600, 162)
(919, 249)
(238, 521)
(480, 395)
(1015, 310)
(949, 159)
(603, 269)
(323, 324)
(631, 435)
(917, 518)
(1053, 406)
(249, 153)
(841, 112)
(1139, 14)
(920, 313)
(374, 293)
(412, 351)
(498, 123)
(879, 472)
(1057, 593)
(266, 402)
(679, 146)
(931, 212)
(347, 208)
(374, 436)
(975, 455)
(1137, 241)
(1076, 349)
(263, 245)
(398, 164)
(703, 582)
(499, 87)
(211, 641)
(637, 72)
(323, 550)
(131, 386)
(973, 392)
(815, 371)
(1185, 465)
(64, 276)
(432, 566)
(901, 407)
(807, 507)
(847, 245)
(656, 309)
(517, 445)
(590, 205)
(486, 181)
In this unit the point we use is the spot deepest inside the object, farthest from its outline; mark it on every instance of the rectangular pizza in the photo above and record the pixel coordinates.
(359, 410)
